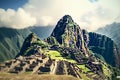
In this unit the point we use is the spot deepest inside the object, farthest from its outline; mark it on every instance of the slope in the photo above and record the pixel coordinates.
(112, 31)
(104, 46)
(10, 42)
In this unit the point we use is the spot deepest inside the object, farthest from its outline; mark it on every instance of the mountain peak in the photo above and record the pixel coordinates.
(64, 24)
(32, 38)
(67, 18)
(69, 34)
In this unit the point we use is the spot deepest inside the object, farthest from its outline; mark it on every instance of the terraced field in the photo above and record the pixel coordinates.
(56, 55)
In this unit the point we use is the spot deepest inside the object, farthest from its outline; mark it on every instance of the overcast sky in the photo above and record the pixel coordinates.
(89, 14)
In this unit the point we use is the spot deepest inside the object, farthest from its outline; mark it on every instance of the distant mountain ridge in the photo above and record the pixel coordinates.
(42, 31)
(112, 31)
(11, 40)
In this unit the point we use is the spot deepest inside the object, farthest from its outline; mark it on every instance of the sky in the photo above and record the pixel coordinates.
(89, 14)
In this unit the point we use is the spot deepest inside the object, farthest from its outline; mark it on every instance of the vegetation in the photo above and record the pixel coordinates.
(106, 70)
(84, 68)
(103, 47)
(7, 76)
(57, 55)
(115, 72)
(40, 43)
(54, 55)
(11, 41)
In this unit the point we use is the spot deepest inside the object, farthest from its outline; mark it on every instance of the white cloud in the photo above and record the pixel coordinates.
(89, 15)
(16, 19)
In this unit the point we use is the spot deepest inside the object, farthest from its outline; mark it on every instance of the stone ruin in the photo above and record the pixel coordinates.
(41, 64)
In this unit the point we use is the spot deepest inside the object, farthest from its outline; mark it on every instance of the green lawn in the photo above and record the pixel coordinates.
(84, 69)
(56, 55)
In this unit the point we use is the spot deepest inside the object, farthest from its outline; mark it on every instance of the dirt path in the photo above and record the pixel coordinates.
(54, 68)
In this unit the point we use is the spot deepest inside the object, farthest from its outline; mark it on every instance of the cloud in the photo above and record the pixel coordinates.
(92, 20)
(16, 19)
(88, 15)
(47, 12)
(92, 1)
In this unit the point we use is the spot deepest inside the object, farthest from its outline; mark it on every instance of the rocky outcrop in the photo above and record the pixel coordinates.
(31, 45)
(27, 43)
(69, 34)
(85, 36)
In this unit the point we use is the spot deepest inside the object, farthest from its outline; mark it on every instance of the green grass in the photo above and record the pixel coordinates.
(28, 72)
(84, 69)
(106, 72)
(56, 55)
(7, 76)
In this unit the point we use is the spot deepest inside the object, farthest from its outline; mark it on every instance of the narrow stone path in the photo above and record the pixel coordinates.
(54, 68)
(65, 68)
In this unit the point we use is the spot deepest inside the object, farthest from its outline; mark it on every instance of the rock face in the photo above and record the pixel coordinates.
(85, 36)
(69, 34)
(104, 46)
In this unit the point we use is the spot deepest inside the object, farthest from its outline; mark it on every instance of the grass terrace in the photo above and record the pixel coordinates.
(56, 55)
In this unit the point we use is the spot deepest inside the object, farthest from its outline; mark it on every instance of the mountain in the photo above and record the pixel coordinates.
(30, 44)
(69, 50)
(42, 31)
(112, 31)
(11, 41)
(64, 52)
(69, 34)
(104, 47)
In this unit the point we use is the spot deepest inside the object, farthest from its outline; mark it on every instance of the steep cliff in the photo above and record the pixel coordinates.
(104, 46)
